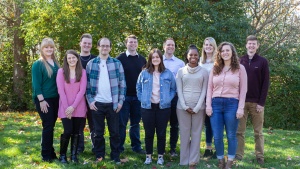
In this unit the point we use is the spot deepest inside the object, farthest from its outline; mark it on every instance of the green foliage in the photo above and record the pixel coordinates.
(282, 109)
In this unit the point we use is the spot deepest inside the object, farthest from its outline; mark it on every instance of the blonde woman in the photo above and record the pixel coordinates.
(45, 95)
(207, 62)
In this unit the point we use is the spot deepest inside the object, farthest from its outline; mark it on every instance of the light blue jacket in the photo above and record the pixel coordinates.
(167, 89)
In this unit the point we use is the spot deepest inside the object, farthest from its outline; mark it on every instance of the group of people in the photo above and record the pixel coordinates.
(210, 89)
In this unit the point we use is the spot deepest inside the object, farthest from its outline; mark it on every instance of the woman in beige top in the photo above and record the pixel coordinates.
(191, 83)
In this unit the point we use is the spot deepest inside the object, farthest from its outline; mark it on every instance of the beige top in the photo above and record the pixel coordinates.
(191, 88)
(155, 97)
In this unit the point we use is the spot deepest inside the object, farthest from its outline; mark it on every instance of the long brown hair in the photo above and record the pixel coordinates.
(45, 43)
(219, 62)
(150, 66)
(78, 69)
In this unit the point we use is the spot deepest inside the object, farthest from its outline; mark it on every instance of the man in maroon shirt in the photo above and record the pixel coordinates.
(257, 69)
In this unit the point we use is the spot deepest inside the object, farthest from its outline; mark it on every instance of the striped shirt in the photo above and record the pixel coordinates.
(116, 80)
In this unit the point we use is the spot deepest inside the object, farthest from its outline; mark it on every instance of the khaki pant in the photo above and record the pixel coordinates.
(257, 122)
(190, 127)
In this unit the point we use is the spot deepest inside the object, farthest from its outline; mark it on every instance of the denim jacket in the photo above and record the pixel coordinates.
(167, 89)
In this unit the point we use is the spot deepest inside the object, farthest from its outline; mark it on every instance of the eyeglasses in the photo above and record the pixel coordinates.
(105, 46)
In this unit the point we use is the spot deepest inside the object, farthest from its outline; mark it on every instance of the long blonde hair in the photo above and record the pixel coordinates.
(45, 43)
(212, 41)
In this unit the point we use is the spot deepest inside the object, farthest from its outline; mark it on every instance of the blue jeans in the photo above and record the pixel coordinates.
(208, 131)
(131, 109)
(224, 114)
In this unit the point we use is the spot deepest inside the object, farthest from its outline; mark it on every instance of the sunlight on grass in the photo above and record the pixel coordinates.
(11, 152)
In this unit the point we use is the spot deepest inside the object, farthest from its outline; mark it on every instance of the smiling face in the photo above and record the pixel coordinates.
(72, 60)
(48, 51)
(193, 56)
(155, 59)
(104, 47)
(132, 44)
(169, 47)
(85, 45)
(252, 46)
(208, 47)
(226, 53)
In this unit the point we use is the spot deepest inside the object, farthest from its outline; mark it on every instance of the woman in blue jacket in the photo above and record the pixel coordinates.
(156, 88)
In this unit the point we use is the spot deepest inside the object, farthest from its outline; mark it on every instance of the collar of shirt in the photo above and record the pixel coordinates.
(128, 54)
(165, 58)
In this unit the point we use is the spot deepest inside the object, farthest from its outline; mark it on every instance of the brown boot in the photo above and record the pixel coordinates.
(221, 163)
(229, 164)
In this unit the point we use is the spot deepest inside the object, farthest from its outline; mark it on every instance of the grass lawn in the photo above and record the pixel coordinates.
(20, 135)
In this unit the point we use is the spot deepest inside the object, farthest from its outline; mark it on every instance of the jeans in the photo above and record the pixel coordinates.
(131, 109)
(208, 131)
(105, 110)
(155, 119)
(174, 124)
(48, 123)
(257, 122)
(224, 114)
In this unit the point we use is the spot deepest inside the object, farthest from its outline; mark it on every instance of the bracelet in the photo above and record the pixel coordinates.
(42, 100)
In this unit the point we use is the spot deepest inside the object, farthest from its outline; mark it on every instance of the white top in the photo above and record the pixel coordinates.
(104, 91)
(155, 97)
(208, 65)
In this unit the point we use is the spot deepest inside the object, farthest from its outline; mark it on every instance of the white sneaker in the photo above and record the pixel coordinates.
(148, 160)
(160, 161)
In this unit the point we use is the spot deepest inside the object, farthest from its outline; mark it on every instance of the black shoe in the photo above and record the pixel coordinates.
(64, 142)
(208, 153)
(173, 153)
(47, 160)
(214, 156)
(141, 151)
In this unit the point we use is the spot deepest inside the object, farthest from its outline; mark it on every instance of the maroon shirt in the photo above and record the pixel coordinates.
(257, 70)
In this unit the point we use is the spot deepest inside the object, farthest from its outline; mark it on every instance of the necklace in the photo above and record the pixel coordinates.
(84, 59)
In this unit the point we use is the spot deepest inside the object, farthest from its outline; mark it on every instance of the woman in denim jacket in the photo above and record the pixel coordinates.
(156, 88)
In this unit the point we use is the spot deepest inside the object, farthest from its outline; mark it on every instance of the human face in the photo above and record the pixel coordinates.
(104, 47)
(252, 46)
(85, 45)
(226, 53)
(132, 44)
(155, 59)
(208, 47)
(48, 51)
(72, 60)
(169, 47)
(193, 57)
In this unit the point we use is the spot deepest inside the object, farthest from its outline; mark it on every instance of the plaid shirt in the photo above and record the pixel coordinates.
(116, 79)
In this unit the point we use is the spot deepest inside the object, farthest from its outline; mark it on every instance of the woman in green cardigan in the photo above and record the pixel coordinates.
(45, 95)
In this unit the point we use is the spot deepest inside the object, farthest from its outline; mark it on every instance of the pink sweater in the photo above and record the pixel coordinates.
(71, 94)
(228, 85)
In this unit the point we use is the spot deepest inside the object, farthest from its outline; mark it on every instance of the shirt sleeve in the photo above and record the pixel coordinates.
(243, 89)
(37, 78)
(82, 88)
(180, 90)
(209, 91)
(265, 84)
(203, 91)
(89, 97)
(60, 82)
(122, 85)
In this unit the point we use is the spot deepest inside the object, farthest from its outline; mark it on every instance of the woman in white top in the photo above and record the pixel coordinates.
(209, 50)
(191, 82)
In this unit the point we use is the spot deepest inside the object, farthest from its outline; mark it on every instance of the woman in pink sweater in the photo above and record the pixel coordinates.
(225, 100)
(71, 84)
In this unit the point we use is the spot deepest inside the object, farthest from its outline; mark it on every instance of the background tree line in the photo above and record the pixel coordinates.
(24, 23)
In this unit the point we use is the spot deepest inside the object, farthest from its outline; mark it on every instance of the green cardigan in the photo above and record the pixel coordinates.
(41, 83)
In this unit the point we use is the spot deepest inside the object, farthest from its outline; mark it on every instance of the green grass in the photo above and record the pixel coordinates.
(20, 148)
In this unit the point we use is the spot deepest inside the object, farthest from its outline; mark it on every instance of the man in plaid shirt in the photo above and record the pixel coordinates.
(106, 89)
